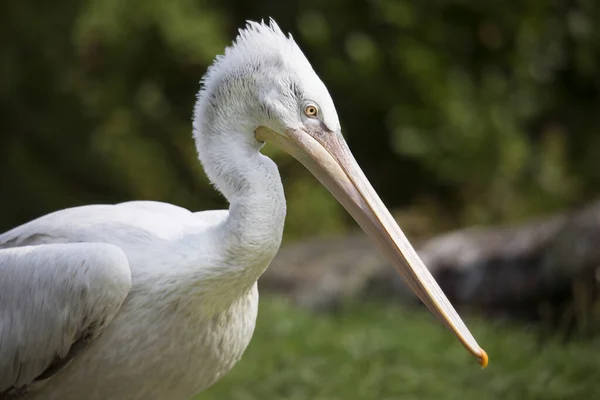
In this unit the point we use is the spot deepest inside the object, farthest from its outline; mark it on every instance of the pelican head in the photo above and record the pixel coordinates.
(275, 96)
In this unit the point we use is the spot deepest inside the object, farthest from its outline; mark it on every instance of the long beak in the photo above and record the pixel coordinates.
(328, 157)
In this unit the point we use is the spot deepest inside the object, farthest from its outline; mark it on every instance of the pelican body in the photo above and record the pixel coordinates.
(147, 300)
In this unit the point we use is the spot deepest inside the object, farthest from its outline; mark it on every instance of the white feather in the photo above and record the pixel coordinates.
(192, 306)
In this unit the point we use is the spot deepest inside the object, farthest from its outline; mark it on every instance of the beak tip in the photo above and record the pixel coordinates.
(483, 359)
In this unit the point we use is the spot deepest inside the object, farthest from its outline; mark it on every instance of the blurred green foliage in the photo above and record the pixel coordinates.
(374, 351)
(479, 111)
(471, 111)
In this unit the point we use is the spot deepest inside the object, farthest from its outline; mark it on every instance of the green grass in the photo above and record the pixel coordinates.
(374, 351)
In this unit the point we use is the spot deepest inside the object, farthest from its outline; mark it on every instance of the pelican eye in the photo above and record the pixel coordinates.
(311, 110)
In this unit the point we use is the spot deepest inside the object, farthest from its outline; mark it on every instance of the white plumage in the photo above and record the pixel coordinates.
(145, 300)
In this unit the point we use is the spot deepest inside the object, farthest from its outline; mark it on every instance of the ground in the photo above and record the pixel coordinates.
(374, 351)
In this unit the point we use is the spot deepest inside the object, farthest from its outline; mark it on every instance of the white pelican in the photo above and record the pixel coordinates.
(146, 300)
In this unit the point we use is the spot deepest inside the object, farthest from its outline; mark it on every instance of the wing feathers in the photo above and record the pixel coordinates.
(52, 297)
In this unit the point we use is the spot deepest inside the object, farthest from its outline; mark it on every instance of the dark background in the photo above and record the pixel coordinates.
(460, 112)
(475, 112)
